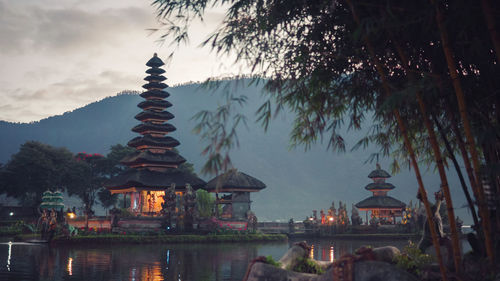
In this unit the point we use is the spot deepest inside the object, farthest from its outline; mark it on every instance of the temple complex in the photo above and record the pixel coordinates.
(154, 167)
(235, 188)
(383, 208)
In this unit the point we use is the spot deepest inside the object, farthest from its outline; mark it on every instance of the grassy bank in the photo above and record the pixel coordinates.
(143, 239)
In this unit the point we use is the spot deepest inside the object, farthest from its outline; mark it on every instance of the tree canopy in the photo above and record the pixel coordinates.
(37, 167)
(414, 67)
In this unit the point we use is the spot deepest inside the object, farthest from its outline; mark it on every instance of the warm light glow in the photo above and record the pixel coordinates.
(70, 266)
(330, 218)
(311, 219)
(332, 254)
(311, 253)
(71, 215)
(152, 200)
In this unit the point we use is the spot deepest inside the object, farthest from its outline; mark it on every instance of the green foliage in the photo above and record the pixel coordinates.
(125, 212)
(205, 203)
(115, 155)
(306, 265)
(271, 261)
(314, 57)
(36, 168)
(218, 129)
(88, 173)
(107, 199)
(412, 259)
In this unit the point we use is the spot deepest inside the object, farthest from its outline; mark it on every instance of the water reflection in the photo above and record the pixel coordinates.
(9, 255)
(177, 262)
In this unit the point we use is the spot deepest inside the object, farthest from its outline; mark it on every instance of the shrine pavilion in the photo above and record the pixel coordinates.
(154, 166)
(381, 206)
(235, 188)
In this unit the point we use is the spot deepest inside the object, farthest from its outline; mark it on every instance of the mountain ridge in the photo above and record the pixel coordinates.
(297, 181)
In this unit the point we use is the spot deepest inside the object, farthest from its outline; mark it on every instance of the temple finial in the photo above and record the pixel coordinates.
(378, 166)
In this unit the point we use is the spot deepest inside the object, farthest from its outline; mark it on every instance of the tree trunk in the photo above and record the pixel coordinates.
(409, 147)
(457, 168)
(439, 162)
(468, 132)
(490, 22)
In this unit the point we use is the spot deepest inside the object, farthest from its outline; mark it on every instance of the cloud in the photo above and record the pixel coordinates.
(58, 55)
(30, 28)
(25, 105)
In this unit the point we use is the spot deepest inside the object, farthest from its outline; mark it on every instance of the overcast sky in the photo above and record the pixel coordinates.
(58, 55)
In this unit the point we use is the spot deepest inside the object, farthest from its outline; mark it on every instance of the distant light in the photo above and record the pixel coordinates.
(311, 219)
(71, 215)
(11, 214)
(330, 219)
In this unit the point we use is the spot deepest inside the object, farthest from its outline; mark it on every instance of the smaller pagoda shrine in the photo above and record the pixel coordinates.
(383, 208)
(233, 192)
(154, 167)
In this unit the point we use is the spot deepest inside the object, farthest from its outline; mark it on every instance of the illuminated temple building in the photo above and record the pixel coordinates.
(381, 206)
(155, 164)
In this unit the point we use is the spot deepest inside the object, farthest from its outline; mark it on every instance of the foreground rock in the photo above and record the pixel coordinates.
(363, 271)
(366, 265)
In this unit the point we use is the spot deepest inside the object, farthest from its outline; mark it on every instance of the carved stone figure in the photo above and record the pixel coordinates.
(189, 207)
(252, 221)
(355, 218)
(168, 206)
(426, 240)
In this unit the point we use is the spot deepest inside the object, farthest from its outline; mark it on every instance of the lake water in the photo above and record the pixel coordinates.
(153, 262)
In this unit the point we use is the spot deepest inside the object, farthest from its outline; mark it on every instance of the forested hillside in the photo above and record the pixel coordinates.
(300, 181)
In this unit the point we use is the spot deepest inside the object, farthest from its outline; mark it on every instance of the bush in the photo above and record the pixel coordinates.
(306, 265)
(124, 212)
(413, 260)
(271, 261)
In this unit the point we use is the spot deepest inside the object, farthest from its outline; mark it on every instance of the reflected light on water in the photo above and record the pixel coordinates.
(132, 274)
(332, 254)
(152, 273)
(9, 255)
(70, 266)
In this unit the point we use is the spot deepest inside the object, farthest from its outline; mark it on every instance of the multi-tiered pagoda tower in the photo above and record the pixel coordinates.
(154, 167)
(381, 206)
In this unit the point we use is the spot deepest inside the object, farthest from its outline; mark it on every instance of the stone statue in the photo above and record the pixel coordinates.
(43, 223)
(355, 218)
(189, 207)
(252, 221)
(426, 240)
(333, 213)
(291, 226)
(168, 206)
